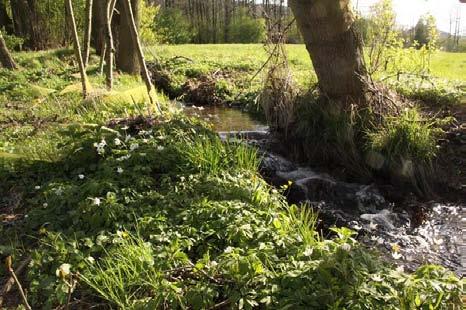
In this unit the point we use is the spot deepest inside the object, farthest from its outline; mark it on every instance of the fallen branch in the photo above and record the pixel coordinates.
(14, 279)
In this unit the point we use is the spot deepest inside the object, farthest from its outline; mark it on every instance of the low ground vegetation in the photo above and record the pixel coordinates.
(118, 208)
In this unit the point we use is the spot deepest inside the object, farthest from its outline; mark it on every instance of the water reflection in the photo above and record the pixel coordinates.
(226, 119)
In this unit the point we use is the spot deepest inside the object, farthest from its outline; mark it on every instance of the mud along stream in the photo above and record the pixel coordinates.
(380, 223)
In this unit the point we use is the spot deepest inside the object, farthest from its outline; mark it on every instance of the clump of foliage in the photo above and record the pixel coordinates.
(408, 136)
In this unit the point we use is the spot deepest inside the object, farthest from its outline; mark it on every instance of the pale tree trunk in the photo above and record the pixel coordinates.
(109, 49)
(328, 29)
(87, 32)
(5, 57)
(77, 47)
(127, 59)
(138, 48)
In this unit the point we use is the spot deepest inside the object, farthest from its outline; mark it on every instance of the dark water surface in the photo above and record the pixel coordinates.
(226, 119)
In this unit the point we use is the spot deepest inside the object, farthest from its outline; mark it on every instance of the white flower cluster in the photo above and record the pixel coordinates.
(100, 147)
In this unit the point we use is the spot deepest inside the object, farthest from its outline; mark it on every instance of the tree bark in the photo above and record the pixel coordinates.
(127, 59)
(5, 20)
(77, 47)
(109, 48)
(5, 57)
(87, 32)
(328, 29)
(98, 25)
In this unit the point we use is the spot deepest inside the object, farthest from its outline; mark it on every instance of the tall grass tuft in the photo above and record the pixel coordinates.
(211, 155)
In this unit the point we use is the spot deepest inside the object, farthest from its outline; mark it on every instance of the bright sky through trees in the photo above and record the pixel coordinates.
(409, 11)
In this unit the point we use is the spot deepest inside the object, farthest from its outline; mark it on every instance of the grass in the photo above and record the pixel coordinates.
(450, 66)
(250, 57)
(157, 213)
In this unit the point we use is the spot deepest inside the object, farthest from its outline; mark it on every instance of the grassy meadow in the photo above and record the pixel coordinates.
(446, 65)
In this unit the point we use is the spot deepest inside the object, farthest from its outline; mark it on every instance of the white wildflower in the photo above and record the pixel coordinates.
(396, 255)
(228, 250)
(372, 226)
(400, 269)
(346, 247)
(160, 148)
(125, 127)
(63, 271)
(134, 146)
(117, 141)
(377, 278)
(120, 170)
(45, 205)
(124, 157)
(308, 252)
(96, 201)
(81, 176)
(37, 187)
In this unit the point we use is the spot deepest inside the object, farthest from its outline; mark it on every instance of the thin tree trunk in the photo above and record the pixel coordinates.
(138, 48)
(335, 48)
(87, 32)
(109, 48)
(102, 58)
(77, 47)
(5, 57)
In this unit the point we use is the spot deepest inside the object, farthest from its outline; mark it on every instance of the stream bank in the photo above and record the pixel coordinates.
(408, 233)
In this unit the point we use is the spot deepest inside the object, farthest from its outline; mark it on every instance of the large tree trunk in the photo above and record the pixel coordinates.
(77, 48)
(127, 57)
(5, 57)
(335, 48)
(5, 20)
(28, 24)
(98, 25)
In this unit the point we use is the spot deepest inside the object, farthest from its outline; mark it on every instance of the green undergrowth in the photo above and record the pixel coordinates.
(167, 216)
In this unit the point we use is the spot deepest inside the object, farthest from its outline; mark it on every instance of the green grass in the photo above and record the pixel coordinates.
(250, 57)
(450, 66)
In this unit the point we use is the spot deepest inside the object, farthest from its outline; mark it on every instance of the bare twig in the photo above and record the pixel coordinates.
(14, 279)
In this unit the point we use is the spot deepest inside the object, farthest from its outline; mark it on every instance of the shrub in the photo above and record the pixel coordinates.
(409, 136)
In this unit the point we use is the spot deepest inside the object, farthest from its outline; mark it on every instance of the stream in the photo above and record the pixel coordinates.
(381, 225)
